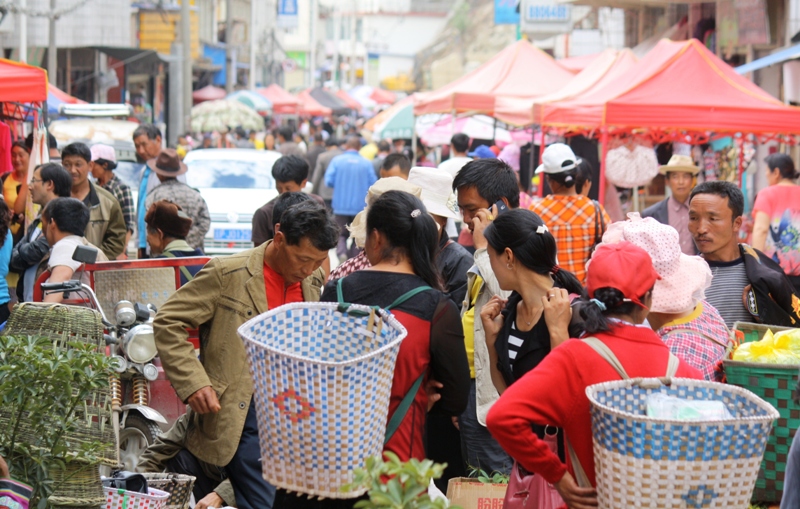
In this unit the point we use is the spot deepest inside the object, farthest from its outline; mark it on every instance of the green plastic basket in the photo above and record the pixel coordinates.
(775, 384)
(755, 331)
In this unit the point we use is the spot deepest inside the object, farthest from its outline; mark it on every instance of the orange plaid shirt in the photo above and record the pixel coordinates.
(571, 220)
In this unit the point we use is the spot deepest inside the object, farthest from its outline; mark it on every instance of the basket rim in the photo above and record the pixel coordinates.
(158, 495)
(772, 413)
(725, 362)
(333, 306)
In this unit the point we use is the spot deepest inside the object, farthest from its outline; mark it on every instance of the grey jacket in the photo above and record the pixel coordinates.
(659, 211)
(485, 392)
(318, 180)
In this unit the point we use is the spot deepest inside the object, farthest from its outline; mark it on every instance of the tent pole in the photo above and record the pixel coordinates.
(414, 140)
(601, 191)
(452, 122)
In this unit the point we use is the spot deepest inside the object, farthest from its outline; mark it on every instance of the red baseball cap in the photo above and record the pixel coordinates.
(623, 266)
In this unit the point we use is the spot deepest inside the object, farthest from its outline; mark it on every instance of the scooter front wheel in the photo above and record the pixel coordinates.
(134, 438)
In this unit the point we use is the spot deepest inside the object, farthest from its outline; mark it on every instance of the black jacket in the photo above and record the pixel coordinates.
(454, 262)
(27, 253)
(770, 297)
(659, 211)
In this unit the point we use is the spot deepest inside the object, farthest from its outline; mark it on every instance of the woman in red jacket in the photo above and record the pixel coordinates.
(620, 282)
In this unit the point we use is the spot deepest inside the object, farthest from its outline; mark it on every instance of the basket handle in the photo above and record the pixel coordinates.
(652, 383)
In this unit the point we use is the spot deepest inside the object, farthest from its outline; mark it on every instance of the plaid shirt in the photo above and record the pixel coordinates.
(571, 220)
(698, 339)
(358, 262)
(123, 195)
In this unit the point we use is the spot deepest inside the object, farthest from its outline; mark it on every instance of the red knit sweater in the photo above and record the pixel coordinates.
(555, 393)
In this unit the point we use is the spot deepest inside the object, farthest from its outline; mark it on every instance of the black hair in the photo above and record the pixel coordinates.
(290, 169)
(318, 136)
(583, 175)
(565, 178)
(596, 320)
(285, 201)
(51, 141)
(21, 144)
(403, 220)
(397, 159)
(5, 221)
(151, 131)
(331, 141)
(492, 178)
(517, 230)
(77, 149)
(460, 142)
(61, 179)
(109, 165)
(783, 163)
(309, 219)
(383, 146)
(70, 215)
(723, 189)
(286, 133)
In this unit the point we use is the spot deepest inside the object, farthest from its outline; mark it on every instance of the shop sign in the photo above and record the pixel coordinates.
(287, 14)
(545, 17)
(506, 12)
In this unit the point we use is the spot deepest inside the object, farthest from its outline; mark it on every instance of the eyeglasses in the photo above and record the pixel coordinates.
(36, 180)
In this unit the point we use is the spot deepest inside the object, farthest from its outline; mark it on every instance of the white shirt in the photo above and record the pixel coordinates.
(61, 254)
(454, 164)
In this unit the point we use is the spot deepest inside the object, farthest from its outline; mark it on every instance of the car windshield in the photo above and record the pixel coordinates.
(228, 174)
(129, 172)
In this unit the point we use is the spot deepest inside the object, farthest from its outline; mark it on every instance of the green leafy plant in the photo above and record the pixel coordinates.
(45, 392)
(394, 484)
(493, 478)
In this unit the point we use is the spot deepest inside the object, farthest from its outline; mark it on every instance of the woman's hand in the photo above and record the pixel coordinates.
(557, 315)
(574, 496)
(492, 319)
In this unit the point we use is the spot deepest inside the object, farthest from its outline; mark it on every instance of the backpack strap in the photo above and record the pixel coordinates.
(402, 409)
(606, 353)
(188, 275)
(409, 294)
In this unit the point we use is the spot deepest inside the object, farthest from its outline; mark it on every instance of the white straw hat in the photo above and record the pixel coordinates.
(437, 190)
(358, 228)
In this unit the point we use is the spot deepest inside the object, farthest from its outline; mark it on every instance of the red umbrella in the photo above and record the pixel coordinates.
(208, 93)
(282, 101)
(349, 101)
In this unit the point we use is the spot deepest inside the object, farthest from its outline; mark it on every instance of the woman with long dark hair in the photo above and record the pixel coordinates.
(520, 332)
(6, 245)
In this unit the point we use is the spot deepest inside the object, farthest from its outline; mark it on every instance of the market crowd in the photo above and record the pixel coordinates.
(513, 304)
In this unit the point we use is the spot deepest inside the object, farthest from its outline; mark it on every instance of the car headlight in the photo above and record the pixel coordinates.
(139, 344)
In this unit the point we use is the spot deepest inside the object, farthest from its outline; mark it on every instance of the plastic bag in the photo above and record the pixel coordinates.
(783, 348)
(661, 406)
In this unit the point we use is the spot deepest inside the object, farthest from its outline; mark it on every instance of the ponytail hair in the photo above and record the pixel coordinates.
(565, 178)
(533, 245)
(404, 221)
(607, 301)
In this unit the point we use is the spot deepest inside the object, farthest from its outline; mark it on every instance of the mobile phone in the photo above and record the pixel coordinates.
(501, 207)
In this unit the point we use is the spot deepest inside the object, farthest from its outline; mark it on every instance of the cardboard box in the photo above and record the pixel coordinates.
(470, 493)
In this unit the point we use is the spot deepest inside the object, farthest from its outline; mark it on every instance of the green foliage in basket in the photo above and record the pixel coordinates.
(493, 478)
(393, 484)
(45, 389)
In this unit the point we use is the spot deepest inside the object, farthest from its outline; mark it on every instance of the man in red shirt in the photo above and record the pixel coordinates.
(218, 386)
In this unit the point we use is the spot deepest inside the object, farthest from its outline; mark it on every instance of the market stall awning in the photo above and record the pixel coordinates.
(22, 83)
(56, 97)
(776, 58)
(577, 64)
(208, 93)
(679, 87)
(396, 121)
(283, 103)
(349, 101)
(252, 100)
(329, 100)
(520, 70)
(382, 96)
(606, 67)
(310, 107)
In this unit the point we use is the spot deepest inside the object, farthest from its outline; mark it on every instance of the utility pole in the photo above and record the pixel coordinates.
(186, 42)
(52, 61)
(23, 31)
(312, 53)
(251, 79)
(353, 46)
(230, 67)
(337, 29)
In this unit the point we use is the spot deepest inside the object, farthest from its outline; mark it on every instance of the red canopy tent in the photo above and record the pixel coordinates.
(349, 101)
(310, 107)
(577, 64)
(283, 102)
(520, 70)
(678, 89)
(22, 83)
(208, 93)
(63, 96)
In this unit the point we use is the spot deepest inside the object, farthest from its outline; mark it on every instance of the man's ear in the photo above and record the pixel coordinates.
(277, 229)
(303, 183)
(737, 223)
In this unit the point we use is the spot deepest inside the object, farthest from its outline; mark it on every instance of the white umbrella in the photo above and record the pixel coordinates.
(477, 126)
(224, 114)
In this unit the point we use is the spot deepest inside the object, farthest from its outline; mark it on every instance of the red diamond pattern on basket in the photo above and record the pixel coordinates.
(293, 405)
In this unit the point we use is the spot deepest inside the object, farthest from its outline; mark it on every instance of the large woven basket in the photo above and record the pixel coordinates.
(178, 486)
(646, 462)
(322, 383)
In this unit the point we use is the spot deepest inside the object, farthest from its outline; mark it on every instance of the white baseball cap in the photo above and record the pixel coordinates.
(558, 158)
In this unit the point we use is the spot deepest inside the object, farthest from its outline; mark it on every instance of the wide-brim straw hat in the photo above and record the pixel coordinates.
(679, 163)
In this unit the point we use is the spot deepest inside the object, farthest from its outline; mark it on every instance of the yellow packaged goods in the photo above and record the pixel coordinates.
(782, 348)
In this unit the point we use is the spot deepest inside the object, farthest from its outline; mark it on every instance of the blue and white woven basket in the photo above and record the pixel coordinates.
(644, 462)
(322, 382)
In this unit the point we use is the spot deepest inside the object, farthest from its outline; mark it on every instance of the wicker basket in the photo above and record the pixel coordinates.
(322, 383)
(123, 499)
(178, 486)
(58, 322)
(641, 461)
(774, 383)
(77, 486)
(749, 332)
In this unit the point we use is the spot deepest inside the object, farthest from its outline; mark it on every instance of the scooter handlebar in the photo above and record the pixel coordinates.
(71, 285)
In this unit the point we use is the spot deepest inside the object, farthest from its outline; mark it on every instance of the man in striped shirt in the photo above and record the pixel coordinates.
(747, 285)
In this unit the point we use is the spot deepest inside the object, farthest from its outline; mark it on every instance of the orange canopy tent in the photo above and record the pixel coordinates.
(349, 101)
(283, 103)
(310, 107)
(679, 87)
(520, 70)
(22, 83)
(605, 68)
